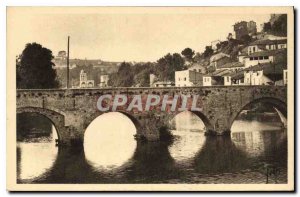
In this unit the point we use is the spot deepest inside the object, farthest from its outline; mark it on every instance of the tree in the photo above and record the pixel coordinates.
(267, 27)
(188, 53)
(123, 78)
(208, 51)
(166, 66)
(279, 28)
(142, 74)
(35, 69)
(246, 39)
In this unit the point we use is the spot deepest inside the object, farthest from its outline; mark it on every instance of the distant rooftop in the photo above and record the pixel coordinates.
(268, 42)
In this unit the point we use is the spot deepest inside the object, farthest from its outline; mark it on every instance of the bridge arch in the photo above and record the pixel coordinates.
(202, 116)
(56, 118)
(277, 103)
(131, 117)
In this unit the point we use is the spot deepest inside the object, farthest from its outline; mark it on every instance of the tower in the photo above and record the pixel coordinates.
(83, 78)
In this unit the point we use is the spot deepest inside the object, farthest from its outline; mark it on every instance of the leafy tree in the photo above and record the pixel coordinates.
(166, 66)
(188, 53)
(208, 51)
(246, 39)
(142, 74)
(198, 57)
(267, 27)
(123, 78)
(35, 69)
(279, 27)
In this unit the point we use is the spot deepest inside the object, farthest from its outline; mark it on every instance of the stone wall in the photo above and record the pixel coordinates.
(219, 105)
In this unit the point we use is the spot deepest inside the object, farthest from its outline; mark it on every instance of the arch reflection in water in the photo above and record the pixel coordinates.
(36, 156)
(189, 136)
(256, 137)
(109, 141)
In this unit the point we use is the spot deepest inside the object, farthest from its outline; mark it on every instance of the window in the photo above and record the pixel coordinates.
(179, 79)
(255, 58)
(184, 79)
(266, 57)
(251, 58)
(253, 49)
(261, 57)
(227, 79)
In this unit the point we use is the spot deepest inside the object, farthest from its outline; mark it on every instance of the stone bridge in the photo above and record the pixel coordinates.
(72, 110)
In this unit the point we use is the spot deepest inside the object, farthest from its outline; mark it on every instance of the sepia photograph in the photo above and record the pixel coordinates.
(150, 98)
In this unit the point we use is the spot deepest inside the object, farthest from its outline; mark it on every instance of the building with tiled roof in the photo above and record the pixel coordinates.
(262, 74)
(262, 57)
(231, 66)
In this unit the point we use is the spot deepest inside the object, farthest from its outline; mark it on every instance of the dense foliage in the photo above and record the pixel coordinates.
(35, 70)
(278, 28)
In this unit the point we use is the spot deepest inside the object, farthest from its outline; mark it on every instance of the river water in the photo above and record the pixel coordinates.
(112, 155)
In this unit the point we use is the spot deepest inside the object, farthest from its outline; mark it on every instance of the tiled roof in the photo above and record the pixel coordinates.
(218, 56)
(267, 53)
(221, 73)
(231, 65)
(267, 42)
(268, 69)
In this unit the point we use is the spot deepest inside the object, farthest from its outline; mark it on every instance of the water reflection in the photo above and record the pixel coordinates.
(109, 141)
(113, 156)
(257, 142)
(220, 155)
(189, 136)
(36, 157)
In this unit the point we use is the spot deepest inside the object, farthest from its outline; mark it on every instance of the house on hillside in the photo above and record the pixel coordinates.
(219, 77)
(198, 68)
(262, 57)
(219, 59)
(188, 78)
(234, 66)
(261, 45)
(262, 74)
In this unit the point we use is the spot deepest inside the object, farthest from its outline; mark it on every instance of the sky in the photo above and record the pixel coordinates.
(123, 36)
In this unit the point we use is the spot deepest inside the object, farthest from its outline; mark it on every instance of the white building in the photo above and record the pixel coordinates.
(266, 44)
(207, 81)
(104, 81)
(219, 77)
(152, 78)
(83, 82)
(256, 78)
(188, 78)
(258, 58)
(227, 80)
